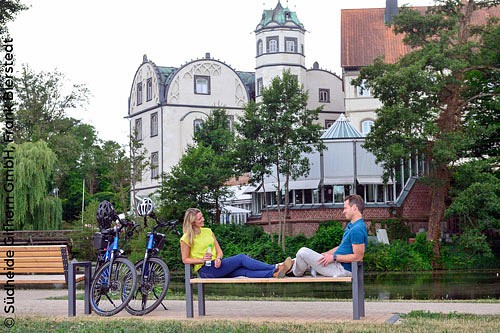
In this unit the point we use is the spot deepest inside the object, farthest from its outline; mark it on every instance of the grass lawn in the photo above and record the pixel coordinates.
(416, 321)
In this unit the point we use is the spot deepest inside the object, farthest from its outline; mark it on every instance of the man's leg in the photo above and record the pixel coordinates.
(307, 258)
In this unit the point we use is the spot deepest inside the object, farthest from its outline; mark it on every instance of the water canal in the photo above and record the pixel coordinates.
(452, 285)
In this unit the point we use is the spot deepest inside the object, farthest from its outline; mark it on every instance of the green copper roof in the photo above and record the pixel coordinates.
(279, 15)
(341, 129)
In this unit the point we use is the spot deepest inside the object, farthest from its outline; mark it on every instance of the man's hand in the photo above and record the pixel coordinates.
(325, 259)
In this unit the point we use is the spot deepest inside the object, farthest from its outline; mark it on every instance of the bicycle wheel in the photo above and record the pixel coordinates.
(151, 292)
(110, 294)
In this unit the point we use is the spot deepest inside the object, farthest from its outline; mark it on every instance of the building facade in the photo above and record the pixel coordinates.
(166, 104)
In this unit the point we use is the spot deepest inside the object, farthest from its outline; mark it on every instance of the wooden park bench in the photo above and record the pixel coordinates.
(44, 265)
(357, 285)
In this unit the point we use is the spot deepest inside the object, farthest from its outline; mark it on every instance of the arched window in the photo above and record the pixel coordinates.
(260, 47)
(197, 124)
(366, 126)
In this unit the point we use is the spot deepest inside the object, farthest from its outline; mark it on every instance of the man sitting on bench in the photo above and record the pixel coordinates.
(337, 261)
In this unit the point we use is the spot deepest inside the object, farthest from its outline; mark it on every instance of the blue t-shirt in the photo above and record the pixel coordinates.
(354, 233)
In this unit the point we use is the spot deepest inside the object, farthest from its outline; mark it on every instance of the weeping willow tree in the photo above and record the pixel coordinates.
(34, 207)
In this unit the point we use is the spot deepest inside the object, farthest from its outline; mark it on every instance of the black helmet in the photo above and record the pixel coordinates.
(146, 207)
(105, 214)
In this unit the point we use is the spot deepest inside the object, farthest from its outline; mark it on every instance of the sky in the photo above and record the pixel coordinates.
(101, 43)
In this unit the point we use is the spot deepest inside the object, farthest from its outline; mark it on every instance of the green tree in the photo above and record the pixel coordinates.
(251, 148)
(290, 132)
(42, 104)
(215, 133)
(427, 94)
(139, 164)
(198, 180)
(34, 206)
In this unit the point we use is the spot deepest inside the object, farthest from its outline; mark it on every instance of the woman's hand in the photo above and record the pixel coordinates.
(218, 262)
(207, 257)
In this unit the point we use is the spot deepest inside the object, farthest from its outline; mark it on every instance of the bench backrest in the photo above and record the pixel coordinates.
(34, 259)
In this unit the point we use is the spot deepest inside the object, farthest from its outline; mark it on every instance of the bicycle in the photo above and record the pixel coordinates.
(153, 273)
(115, 277)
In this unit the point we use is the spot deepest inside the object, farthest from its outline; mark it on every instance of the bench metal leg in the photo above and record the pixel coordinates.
(86, 295)
(361, 286)
(71, 291)
(201, 299)
(87, 265)
(358, 293)
(189, 292)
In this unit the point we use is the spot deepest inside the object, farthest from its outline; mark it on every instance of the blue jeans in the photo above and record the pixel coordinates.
(238, 265)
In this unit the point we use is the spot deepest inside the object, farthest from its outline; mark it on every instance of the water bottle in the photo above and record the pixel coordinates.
(208, 263)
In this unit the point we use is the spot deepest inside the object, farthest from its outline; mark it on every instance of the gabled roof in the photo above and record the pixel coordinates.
(341, 129)
(364, 35)
(280, 17)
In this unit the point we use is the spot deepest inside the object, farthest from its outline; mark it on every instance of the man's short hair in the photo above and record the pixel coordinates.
(357, 200)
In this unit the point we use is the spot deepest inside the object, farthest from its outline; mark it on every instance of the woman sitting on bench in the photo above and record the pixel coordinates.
(199, 246)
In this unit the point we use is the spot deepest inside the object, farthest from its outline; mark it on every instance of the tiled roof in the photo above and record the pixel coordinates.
(341, 129)
(364, 35)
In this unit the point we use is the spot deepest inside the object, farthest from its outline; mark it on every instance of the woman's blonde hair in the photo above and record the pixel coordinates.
(187, 225)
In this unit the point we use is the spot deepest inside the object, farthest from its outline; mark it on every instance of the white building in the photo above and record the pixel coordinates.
(167, 103)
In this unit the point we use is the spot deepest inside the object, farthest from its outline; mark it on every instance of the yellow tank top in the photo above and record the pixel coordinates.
(200, 245)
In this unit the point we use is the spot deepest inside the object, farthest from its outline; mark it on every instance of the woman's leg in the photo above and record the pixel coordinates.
(251, 274)
(231, 264)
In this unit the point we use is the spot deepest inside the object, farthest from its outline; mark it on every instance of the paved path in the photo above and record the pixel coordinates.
(35, 303)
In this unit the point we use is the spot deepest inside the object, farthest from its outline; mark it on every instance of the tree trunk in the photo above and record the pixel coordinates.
(439, 194)
(285, 212)
(265, 206)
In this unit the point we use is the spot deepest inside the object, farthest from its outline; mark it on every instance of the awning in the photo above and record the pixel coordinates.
(269, 187)
(339, 180)
(371, 180)
(235, 210)
(305, 184)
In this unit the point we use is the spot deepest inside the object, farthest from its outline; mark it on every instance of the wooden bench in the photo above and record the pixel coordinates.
(42, 265)
(357, 284)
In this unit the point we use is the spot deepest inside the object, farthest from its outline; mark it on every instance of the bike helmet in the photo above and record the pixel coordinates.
(146, 207)
(105, 214)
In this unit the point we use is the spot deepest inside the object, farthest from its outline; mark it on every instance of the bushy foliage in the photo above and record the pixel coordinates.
(248, 239)
(396, 229)
(400, 255)
(328, 236)
(82, 246)
(470, 250)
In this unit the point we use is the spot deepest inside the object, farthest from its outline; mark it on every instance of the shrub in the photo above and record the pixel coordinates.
(328, 236)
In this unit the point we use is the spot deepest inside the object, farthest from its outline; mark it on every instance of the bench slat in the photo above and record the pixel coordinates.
(271, 280)
(33, 260)
(27, 270)
(32, 248)
(39, 279)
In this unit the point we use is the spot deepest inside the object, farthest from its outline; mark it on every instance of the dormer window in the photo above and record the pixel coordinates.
(287, 16)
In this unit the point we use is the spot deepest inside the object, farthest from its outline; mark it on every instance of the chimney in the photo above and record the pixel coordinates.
(207, 55)
(391, 10)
